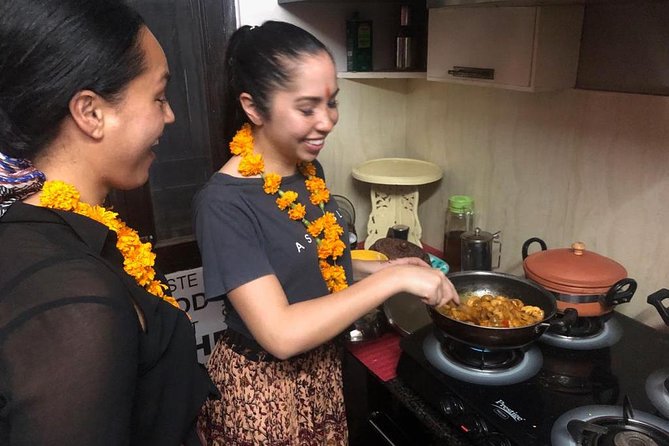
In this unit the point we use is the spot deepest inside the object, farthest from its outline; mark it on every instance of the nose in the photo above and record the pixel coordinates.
(168, 114)
(327, 120)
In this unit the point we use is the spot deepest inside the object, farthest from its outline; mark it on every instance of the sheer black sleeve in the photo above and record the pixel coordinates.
(69, 360)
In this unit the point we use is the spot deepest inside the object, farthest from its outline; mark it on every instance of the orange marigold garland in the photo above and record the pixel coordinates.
(325, 229)
(138, 258)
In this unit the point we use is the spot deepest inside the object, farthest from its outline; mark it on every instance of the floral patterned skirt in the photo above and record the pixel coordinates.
(298, 401)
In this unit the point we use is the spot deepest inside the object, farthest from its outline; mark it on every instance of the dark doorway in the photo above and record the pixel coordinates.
(193, 34)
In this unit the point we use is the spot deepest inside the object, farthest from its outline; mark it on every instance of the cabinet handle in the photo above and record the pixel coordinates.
(472, 72)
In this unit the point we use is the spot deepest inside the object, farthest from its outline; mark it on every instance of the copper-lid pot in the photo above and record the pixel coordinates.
(581, 279)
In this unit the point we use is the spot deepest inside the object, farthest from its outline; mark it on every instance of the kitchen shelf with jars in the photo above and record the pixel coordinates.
(379, 39)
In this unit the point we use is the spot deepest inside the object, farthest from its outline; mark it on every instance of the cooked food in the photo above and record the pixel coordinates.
(493, 311)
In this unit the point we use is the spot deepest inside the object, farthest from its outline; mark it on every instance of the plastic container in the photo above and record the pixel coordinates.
(459, 219)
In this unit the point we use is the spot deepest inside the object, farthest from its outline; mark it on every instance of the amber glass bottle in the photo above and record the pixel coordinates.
(459, 219)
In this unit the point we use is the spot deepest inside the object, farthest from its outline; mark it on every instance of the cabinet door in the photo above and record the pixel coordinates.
(489, 45)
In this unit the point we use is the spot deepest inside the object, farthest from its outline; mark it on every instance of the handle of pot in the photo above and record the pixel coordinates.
(618, 294)
(656, 299)
(528, 242)
(496, 240)
(568, 319)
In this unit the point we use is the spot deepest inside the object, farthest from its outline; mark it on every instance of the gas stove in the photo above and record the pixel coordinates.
(605, 387)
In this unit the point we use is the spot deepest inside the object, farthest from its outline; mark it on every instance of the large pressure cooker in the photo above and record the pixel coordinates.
(588, 282)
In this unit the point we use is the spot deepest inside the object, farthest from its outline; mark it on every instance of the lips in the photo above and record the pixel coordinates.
(315, 145)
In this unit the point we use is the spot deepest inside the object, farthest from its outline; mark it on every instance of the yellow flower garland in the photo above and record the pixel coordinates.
(138, 259)
(325, 229)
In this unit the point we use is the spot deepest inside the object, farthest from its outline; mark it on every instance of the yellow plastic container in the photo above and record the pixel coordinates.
(367, 254)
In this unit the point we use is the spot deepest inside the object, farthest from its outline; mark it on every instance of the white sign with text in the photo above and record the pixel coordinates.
(208, 319)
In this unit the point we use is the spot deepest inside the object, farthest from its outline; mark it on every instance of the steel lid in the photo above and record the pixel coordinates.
(477, 236)
(573, 270)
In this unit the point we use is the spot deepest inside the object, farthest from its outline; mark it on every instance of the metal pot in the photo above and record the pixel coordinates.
(369, 326)
(583, 280)
(479, 283)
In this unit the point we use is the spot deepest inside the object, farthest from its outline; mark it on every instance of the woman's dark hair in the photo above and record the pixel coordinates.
(50, 50)
(258, 61)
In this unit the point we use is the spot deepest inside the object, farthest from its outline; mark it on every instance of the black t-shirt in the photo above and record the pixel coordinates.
(76, 368)
(242, 235)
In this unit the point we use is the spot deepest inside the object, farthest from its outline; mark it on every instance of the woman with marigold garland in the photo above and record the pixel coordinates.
(92, 350)
(273, 248)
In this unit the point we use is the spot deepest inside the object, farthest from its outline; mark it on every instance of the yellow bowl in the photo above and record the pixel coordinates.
(367, 254)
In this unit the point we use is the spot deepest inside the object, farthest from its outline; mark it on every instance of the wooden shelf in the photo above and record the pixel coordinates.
(382, 74)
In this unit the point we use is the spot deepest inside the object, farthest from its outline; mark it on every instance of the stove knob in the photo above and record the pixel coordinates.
(473, 424)
(452, 405)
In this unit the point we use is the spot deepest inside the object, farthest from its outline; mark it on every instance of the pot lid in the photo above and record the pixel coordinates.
(395, 248)
(477, 236)
(573, 270)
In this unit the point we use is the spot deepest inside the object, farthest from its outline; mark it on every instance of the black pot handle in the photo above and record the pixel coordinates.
(569, 317)
(618, 295)
(656, 299)
(528, 242)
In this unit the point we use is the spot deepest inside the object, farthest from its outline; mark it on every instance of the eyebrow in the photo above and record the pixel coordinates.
(317, 98)
(166, 76)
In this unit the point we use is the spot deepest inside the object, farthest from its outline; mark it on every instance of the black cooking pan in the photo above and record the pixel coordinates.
(479, 283)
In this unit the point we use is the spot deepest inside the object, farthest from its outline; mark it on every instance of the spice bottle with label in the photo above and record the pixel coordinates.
(459, 219)
(359, 44)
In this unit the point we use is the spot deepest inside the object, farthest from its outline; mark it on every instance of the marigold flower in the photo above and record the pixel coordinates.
(59, 195)
(314, 184)
(286, 199)
(242, 142)
(251, 164)
(315, 227)
(333, 232)
(334, 276)
(307, 169)
(272, 183)
(329, 220)
(319, 197)
(297, 211)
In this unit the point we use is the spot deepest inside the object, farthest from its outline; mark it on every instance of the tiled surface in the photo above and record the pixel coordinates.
(563, 166)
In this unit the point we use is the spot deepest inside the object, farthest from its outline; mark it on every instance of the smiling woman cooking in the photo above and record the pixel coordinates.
(273, 247)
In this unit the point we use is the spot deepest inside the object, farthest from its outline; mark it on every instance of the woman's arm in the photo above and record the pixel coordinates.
(363, 268)
(286, 330)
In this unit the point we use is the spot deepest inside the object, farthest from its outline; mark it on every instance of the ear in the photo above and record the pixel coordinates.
(246, 100)
(86, 109)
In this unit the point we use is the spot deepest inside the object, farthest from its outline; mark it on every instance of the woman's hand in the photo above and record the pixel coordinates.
(414, 276)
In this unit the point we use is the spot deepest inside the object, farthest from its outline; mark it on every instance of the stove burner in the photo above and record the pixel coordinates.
(589, 334)
(657, 389)
(609, 426)
(482, 366)
(617, 432)
(476, 358)
(582, 328)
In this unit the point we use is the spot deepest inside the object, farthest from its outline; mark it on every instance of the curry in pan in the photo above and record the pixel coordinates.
(493, 311)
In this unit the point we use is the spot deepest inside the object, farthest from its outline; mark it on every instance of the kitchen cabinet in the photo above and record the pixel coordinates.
(327, 20)
(624, 48)
(531, 48)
